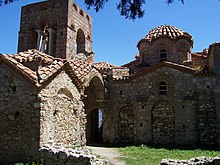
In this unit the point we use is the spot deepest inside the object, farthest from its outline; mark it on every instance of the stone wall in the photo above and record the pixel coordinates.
(141, 93)
(65, 18)
(57, 155)
(19, 117)
(62, 117)
(119, 73)
(176, 51)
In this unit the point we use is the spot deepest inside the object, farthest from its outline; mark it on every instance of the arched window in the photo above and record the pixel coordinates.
(163, 55)
(80, 40)
(163, 88)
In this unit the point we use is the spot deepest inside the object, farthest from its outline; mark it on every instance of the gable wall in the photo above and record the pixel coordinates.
(62, 113)
(19, 117)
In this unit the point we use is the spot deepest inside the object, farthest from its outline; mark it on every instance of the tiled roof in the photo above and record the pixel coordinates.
(35, 65)
(80, 68)
(166, 64)
(168, 32)
(104, 67)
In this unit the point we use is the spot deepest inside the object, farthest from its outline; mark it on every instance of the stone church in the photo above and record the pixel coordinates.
(52, 90)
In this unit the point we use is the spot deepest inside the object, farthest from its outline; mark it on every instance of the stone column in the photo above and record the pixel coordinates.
(51, 40)
(40, 34)
(44, 45)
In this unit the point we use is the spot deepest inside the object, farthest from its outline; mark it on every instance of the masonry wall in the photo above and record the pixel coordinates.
(65, 17)
(176, 51)
(185, 94)
(19, 117)
(62, 113)
(38, 16)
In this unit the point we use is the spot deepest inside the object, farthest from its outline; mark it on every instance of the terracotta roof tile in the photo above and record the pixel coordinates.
(166, 31)
(104, 67)
(34, 64)
(80, 68)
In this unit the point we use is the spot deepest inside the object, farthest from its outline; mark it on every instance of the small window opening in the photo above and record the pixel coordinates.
(121, 92)
(163, 88)
(81, 13)
(142, 107)
(208, 86)
(163, 55)
(17, 114)
(183, 126)
(141, 124)
(87, 17)
(55, 112)
(74, 6)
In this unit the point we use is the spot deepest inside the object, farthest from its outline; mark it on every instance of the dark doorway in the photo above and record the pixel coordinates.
(94, 95)
(94, 126)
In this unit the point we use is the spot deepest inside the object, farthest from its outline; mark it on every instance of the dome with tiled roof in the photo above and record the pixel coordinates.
(166, 31)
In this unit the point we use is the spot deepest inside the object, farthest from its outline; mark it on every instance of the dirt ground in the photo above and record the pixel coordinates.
(111, 154)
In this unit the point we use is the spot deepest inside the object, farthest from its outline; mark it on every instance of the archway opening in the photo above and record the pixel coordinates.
(80, 41)
(94, 95)
(94, 126)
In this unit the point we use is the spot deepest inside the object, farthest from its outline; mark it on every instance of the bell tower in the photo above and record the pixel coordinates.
(59, 28)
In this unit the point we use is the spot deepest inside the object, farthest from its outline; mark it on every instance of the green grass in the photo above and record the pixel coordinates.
(144, 155)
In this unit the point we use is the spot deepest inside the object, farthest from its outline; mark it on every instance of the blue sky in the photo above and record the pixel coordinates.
(115, 38)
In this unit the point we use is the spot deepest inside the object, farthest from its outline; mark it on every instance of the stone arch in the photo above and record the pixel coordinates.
(80, 41)
(163, 44)
(126, 124)
(163, 123)
(183, 49)
(93, 97)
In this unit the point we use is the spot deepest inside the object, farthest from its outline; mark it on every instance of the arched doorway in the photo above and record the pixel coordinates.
(94, 126)
(126, 125)
(94, 95)
(163, 123)
(80, 41)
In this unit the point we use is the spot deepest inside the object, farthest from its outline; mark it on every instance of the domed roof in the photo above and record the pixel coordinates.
(168, 32)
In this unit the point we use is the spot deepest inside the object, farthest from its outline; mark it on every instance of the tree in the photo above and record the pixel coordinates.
(131, 9)
(5, 2)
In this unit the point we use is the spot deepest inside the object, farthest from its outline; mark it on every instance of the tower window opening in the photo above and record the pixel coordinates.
(81, 13)
(163, 88)
(163, 55)
(80, 40)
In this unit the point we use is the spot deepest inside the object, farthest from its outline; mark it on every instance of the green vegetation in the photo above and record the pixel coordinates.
(144, 155)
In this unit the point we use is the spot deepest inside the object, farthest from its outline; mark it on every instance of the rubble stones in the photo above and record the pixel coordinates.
(193, 161)
(55, 154)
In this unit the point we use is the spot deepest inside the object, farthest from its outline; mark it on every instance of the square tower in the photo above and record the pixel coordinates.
(57, 27)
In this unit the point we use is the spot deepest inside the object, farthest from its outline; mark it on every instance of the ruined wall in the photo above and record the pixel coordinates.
(141, 94)
(62, 114)
(19, 117)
